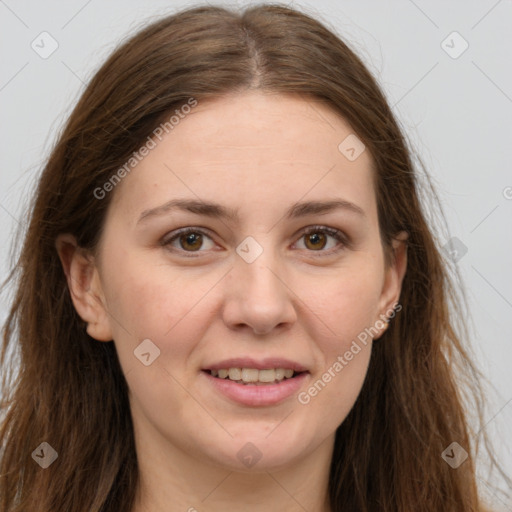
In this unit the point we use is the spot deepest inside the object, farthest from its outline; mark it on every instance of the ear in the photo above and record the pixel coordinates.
(394, 276)
(84, 287)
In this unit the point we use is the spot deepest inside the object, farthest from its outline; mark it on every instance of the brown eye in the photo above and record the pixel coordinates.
(192, 241)
(315, 240)
(188, 240)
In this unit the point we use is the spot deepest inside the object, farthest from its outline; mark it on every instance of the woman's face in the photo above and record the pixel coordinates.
(248, 287)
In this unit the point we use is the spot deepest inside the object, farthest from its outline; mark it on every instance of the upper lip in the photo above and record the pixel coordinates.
(259, 364)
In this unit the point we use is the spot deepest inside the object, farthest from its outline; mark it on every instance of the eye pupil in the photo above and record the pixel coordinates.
(314, 238)
(189, 240)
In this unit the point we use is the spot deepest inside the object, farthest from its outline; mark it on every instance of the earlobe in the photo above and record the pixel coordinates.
(84, 286)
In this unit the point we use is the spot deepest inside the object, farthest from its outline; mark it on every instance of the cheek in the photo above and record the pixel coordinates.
(347, 304)
(171, 315)
(148, 302)
(344, 357)
(348, 307)
(337, 388)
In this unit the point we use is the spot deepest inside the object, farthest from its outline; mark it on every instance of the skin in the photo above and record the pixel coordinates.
(258, 153)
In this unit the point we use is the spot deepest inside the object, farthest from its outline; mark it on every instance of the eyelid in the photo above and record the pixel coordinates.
(167, 239)
(340, 236)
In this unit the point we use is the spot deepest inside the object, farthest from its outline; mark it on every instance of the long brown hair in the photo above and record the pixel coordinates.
(69, 390)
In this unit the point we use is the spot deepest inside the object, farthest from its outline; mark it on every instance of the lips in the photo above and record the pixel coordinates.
(256, 382)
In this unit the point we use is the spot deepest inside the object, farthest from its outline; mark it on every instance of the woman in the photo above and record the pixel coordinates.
(228, 294)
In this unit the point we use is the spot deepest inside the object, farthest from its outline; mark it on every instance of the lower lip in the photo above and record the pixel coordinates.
(253, 395)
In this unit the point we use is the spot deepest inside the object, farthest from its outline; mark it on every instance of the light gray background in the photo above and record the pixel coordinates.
(456, 111)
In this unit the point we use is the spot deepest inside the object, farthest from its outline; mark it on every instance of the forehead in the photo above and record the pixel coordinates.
(251, 150)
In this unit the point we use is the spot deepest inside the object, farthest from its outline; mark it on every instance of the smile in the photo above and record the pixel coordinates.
(253, 387)
(253, 375)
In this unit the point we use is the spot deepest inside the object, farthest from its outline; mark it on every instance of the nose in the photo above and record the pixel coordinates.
(257, 296)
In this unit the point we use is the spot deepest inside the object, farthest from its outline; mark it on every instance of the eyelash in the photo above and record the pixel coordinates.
(335, 233)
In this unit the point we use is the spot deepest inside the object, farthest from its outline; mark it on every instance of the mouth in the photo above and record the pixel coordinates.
(254, 376)
(255, 382)
(256, 387)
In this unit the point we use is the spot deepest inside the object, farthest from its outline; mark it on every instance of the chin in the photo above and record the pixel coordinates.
(258, 450)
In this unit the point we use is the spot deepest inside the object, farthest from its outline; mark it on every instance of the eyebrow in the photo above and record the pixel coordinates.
(215, 210)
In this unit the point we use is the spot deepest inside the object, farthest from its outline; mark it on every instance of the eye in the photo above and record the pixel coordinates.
(316, 239)
(189, 239)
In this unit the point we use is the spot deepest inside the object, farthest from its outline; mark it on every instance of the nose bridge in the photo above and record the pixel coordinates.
(256, 269)
(258, 296)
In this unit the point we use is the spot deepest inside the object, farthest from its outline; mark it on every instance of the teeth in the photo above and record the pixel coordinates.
(235, 373)
(249, 374)
(267, 375)
(253, 375)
